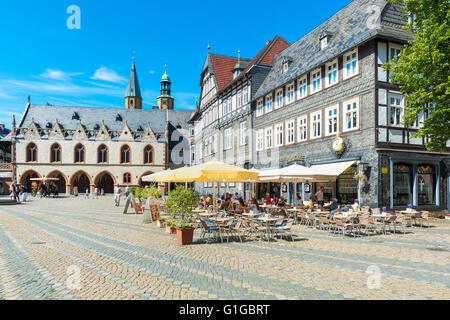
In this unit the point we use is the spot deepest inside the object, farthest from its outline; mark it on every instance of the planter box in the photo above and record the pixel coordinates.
(160, 224)
(185, 236)
(171, 230)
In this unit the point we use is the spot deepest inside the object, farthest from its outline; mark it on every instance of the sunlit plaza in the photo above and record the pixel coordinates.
(75, 248)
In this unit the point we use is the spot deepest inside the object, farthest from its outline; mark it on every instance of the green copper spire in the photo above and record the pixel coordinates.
(133, 89)
(165, 76)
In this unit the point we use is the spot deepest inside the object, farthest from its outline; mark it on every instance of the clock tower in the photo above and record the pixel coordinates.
(165, 100)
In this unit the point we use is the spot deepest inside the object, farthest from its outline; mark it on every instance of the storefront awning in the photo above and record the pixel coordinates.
(297, 173)
(332, 169)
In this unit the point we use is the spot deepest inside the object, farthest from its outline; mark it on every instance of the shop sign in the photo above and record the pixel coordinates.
(297, 157)
(384, 170)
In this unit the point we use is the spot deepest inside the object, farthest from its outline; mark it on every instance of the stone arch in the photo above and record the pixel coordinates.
(81, 180)
(144, 183)
(26, 176)
(105, 180)
(61, 183)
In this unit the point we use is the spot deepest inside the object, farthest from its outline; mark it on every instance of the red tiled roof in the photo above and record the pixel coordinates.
(223, 69)
(279, 45)
(265, 56)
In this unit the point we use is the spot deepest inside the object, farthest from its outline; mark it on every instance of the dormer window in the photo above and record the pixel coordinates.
(323, 43)
(118, 118)
(75, 116)
(48, 125)
(325, 39)
(236, 74)
(285, 66)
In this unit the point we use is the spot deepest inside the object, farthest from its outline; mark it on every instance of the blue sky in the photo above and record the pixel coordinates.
(41, 57)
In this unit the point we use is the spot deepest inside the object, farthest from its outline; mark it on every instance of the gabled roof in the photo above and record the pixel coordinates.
(264, 57)
(351, 26)
(223, 68)
(133, 89)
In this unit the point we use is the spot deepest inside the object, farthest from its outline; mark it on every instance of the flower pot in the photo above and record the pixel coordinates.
(185, 236)
(171, 230)
(160, 224)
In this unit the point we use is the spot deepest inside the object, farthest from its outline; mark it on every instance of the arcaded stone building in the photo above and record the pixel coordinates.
(88, 147)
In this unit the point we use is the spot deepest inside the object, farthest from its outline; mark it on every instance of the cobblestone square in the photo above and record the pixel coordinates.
(46, 243)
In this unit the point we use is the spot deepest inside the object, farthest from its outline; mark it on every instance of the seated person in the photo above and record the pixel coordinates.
(275, 200)
(267, 199)
(298, 202)
(254, 208)
(334, 207)
(281, 202)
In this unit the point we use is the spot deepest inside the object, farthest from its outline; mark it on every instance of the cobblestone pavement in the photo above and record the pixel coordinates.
(46, 243)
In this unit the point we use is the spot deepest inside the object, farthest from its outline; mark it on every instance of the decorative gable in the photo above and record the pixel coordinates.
(33, 132)
(126, 134)
(80, 133)
(148, 135)
(57, 132)
(102, 134)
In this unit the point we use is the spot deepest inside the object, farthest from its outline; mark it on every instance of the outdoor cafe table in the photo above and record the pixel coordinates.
(295, 211)
(409, 214)
(251, 215)
(207, 214)
(198, 210)
(268, 222)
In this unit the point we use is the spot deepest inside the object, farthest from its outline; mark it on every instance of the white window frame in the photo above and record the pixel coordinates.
(334, 117)
(395, 46)
(302, 128)
(332, 68)
(243, 137)
(239, 99)
(302, 87)
(260, 107)
(245, 95)
(269, 103)
(351, 59)
(316, 121)
(316, 78)
(279, 99)
(285, 66)
(260, 140)
(290, 93)
(398, 109)
(290, 131)
(268, 135)
(279, 134)
(228, 138)
(351, 112)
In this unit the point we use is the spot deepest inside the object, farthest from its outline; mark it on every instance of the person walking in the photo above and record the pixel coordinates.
(96, 193)
(11, 191)
(102, 192)
(117, 194)
(86, 196)
(24, 194)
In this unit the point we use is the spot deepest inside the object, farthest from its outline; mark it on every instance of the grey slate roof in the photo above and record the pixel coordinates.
(349, 27)
(90, 117)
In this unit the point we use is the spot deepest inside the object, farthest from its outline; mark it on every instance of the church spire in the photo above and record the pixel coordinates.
(133, 98)
(165, 100)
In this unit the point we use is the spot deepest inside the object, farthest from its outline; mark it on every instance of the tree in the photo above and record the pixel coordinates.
(422, 69)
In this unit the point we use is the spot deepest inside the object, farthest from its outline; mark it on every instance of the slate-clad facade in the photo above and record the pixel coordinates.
(5, 160)
(329, 85)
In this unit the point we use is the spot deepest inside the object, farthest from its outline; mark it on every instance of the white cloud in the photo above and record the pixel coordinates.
(106, 74)
(58, 74)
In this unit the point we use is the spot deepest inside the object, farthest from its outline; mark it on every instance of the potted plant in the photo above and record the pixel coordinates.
(170, 227)
(161, 223)
(180, 204)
